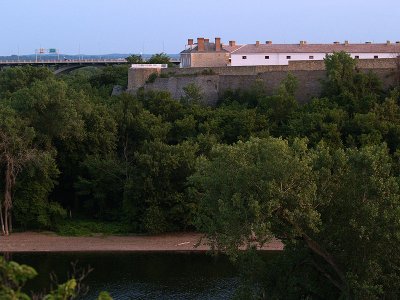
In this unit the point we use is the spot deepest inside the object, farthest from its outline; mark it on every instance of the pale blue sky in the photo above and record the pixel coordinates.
(131, 26)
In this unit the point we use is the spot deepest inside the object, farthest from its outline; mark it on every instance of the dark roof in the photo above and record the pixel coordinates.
(208, 47)
(231, 48)
(318, 48)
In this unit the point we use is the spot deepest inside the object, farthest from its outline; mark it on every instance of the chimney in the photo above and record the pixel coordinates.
(346, 42)
(257, 43)
(303, 43)
(336, 43)
(268, 42)
(206, 41)
(388, 42)
(200, 44)
(190, 42)
(217, 44)
(232, 43)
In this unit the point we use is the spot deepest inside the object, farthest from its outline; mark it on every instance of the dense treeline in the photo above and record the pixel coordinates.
(323, 177)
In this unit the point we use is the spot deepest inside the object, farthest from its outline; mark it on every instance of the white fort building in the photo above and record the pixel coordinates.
(216, 54)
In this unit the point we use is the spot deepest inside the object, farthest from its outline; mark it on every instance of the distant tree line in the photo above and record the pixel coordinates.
(159, 58)
(324, 177)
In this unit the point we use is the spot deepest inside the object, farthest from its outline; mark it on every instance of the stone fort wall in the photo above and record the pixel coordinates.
(213, 82)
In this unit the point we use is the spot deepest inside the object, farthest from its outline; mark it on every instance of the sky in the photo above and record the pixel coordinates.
(154, 26)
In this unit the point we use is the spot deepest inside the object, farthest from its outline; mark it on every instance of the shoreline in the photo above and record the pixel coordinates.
(50, 242)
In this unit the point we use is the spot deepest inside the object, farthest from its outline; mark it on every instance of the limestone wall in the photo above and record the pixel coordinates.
(138, 77)
(309, 82)
(209, 86)
(314, 65)
(309, 75)
(214, 59)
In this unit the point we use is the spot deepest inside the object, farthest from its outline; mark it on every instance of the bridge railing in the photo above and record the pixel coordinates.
(62, 61)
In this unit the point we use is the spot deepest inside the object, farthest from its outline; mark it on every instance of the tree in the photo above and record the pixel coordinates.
(134, 59)
(14, 276)
(319, 120)
(155, 197)
(340, 71)
(192, 94)
(280, 107)
(397, 71)
(160, 58)
(14, 79)
(16, 151)
(336, 211)
(253, 190)
(348, 86)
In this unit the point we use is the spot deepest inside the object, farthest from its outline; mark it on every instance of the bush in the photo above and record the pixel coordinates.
(152, 78)
(88, 228)
(208, 72)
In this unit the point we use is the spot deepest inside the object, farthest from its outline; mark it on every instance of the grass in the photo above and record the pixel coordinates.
(90, 228)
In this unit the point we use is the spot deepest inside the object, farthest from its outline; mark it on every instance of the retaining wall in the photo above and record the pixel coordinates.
(309, 75)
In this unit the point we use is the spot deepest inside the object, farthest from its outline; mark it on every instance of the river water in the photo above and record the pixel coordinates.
(140, 275)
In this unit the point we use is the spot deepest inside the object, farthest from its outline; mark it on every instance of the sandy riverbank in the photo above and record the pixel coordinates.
(47, 242)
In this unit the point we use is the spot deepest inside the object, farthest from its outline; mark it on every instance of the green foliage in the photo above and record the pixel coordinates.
(340, 69)
(108, 77)
(232, 123)
(360, 213)
(134, 59)
(241, 188)
(152, 78)
(156, 196)
(247, 98)
(320, 120)
(325, 205)
(208, 71)
(63, 291)
(193, 94)
(13, 277)
(159, 58)
(323, 176)
(104, 296)
(100, 186)
(76, 227)
(48, 108)
(32, 208)
(14, 79)
(279, 108)
(35, 170)
(348, 86)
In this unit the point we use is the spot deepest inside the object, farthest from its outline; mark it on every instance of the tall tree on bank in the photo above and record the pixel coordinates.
(16, 151)
(336, 211)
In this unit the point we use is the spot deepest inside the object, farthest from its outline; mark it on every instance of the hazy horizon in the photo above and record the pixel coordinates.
(125, 26)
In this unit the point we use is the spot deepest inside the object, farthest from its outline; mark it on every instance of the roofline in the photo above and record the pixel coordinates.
(238, 48)
(330, 52)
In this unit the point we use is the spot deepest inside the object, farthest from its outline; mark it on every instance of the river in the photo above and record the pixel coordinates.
(160, 275)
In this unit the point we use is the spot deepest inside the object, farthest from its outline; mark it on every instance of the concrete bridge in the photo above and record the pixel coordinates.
(67, 65)
(63, 65)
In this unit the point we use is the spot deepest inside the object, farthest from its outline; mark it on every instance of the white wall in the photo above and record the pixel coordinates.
(258, 59)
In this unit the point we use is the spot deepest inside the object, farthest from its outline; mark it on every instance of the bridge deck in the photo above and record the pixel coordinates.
(62, 62)
(68, 62)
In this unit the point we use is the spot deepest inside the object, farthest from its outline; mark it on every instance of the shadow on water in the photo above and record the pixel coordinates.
(140, 275)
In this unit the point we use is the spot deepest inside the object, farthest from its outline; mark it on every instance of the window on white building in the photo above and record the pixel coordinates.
(288, 57)
(244, 57)
(266, 56)
(311, 57)
(376, 56)
(357, 56)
